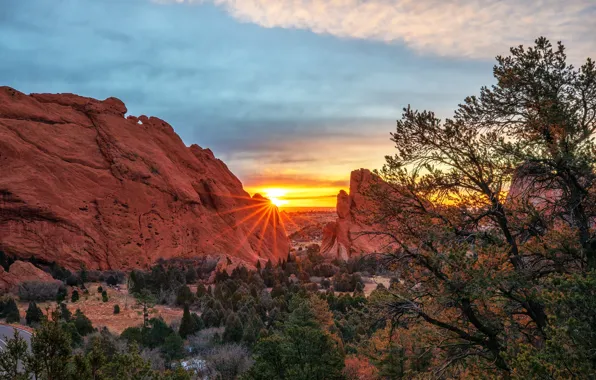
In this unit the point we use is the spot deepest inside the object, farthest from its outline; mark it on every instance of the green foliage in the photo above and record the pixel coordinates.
(10, 311)
(201, 291)
(486, 212)
(61, 294)
(191, 275)
(82, 323)
(301, 350)
(65, 314)
(156, 333)
(10, 356)
(52, 358)
(34, 314)
(104, 296)
(51, 350)
(184, 296)
(74, 296)
(132, 335)
(112, 280)
(100, 289)
(188, 324)
(116, 309)
(173, 347)
(234, 329)
(569, 349)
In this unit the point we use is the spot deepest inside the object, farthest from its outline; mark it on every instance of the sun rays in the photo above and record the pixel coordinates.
(258, 217)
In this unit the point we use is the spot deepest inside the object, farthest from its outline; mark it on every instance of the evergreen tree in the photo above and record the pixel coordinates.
(173, 347)
(188, 324)
(116, 309)
(104, 296)
(61, 294)
(75, 296)
(11, 355)
(301, 350)
(201, 291)
(210, 318)
(191, 275)
(82, 323)
(65, 314)
(184, 296)
(11, 312)
(51, 350)
(234, 330)
(34, 314)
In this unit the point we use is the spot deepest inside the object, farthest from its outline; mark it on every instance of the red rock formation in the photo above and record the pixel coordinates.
(82, 184)
(347, 236)
(19, 272)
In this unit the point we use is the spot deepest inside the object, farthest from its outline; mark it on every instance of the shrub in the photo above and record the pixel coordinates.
(99, 289)
(65, 314)
(173, 347)
(204, 340)
(104, 296)
(62, 294)
(73, 280)
(38, 291)
(82, 323)
(116, 309)
(132, 334)
(229, 361)
(112, 280)
(75, 296)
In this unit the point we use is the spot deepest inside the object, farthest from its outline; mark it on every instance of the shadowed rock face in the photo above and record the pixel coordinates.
(82, 184)
(19, 272)
(347, 236)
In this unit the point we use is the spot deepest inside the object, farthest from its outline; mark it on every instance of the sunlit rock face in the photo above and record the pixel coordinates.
(82, 184)
(347, 236)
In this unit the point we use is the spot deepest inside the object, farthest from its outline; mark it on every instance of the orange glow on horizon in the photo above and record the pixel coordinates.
(296, 196)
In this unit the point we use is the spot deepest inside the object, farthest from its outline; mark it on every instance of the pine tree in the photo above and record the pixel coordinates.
(14, 352)
(82, 323)
(50, 347)
(75, 296)
(201, 291)
(65, 314)
(234, 329)
(34, 314)
(11, 312)
(188, 325)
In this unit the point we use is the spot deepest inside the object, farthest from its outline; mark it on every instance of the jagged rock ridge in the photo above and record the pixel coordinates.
(349, 235)
(82, 184)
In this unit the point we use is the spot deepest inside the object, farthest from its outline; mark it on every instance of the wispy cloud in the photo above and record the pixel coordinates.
(468, 28)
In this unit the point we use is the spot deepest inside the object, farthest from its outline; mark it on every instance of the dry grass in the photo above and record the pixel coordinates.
(102, 313)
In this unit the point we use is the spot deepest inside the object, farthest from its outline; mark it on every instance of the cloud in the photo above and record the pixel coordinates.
(469, 28)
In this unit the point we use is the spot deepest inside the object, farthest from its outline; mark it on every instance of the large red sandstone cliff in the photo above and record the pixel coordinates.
(82, 184)
(349, 235)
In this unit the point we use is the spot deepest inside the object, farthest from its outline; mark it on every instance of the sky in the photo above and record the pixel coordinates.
(292, 94)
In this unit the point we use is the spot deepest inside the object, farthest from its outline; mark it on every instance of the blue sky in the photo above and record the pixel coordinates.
(284, 91)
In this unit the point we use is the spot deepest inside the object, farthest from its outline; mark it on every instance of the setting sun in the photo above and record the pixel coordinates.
(275, 195)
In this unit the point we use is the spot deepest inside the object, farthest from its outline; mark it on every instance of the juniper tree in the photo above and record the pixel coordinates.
(461, 205)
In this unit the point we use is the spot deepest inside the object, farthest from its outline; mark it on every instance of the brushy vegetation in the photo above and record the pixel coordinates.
(491, 215)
